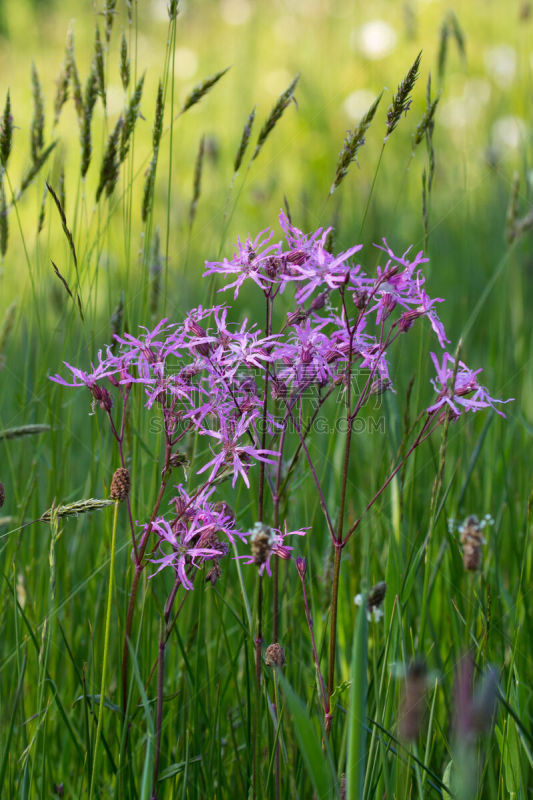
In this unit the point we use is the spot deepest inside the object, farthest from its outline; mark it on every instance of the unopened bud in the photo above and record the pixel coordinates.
(296, 317)
(319, 301)
(301, 566)
(120, 485)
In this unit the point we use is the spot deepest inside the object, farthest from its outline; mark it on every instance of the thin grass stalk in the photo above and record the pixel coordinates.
(172, 39)
(106, 650)
(163, 638)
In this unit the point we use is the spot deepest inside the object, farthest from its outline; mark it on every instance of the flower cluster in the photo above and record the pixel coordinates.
(234, 386)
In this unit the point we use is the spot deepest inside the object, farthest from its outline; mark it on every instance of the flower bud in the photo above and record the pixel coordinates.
(301, 566)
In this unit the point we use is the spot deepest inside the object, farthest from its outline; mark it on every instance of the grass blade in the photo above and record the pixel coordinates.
(318, 764)
(355, 767)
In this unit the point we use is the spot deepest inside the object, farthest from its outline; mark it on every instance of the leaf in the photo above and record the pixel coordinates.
(318, 764)
(355, 766)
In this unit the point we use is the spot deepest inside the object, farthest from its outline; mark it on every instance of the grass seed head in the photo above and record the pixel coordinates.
(245, 138)
(110, 163)
(275, 115)
(72, 74)
(201, 89)
(124, 63)
(130, 119)
(401, 102)
(354, 140)
(99, 67)
(197, 185)
(37, 124)
(4, 230)
(6, 132)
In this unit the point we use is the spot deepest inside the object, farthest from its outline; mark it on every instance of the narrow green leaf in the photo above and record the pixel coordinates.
(355, 766)
(317, 763)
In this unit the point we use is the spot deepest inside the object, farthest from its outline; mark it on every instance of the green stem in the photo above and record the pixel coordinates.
(371, 191)
(333, 625)
(106, 648)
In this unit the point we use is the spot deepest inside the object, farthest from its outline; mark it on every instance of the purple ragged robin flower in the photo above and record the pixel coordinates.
(465, 395)
(271, 542)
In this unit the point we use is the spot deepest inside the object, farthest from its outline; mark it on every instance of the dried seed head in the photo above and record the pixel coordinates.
(2, 495)
(177, 460)
(261, 543)
(413, 700)
(275, 655)
(380, 386)
(223, 508)
(120, 485)
(472, 541)
(213, 574)
(376, 595)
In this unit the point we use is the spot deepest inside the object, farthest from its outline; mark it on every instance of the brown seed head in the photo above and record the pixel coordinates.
(275, 655)
(120, 485)
(2, 495)
(472, 541)
(223, 508)
(413, 700)
(376, 595)
(261, 543)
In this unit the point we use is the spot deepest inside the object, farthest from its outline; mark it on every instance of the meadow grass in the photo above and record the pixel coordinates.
(175, 169)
